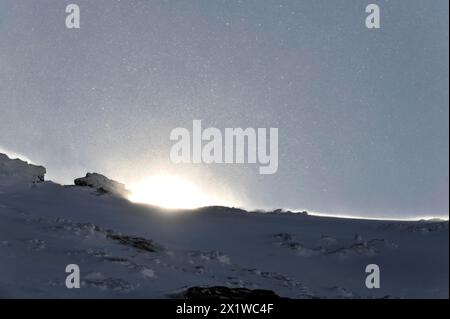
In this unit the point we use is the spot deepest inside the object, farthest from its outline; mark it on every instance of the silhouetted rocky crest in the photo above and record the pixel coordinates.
(102, 184)
(17, 170)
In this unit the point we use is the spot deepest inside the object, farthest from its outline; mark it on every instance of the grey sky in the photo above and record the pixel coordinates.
(362, 114)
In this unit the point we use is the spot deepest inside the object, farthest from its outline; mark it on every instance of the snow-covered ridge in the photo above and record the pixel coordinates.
(20, 171)
(126, 250)
(17, 171)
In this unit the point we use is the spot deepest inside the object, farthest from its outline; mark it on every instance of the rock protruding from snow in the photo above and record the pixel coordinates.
(222, 292)
(139, 243)
(16, 170)
(102, 184)
(283, 211)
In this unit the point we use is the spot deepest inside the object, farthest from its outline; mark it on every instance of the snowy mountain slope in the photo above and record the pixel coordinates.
(127, 250)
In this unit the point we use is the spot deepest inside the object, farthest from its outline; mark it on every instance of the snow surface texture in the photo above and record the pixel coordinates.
(125, 250)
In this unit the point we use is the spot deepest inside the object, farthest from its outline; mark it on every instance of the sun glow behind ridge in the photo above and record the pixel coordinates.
(172, 192)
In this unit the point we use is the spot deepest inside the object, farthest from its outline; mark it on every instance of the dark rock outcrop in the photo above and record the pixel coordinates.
(102, 184)
(221, 292)
(139, 243)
